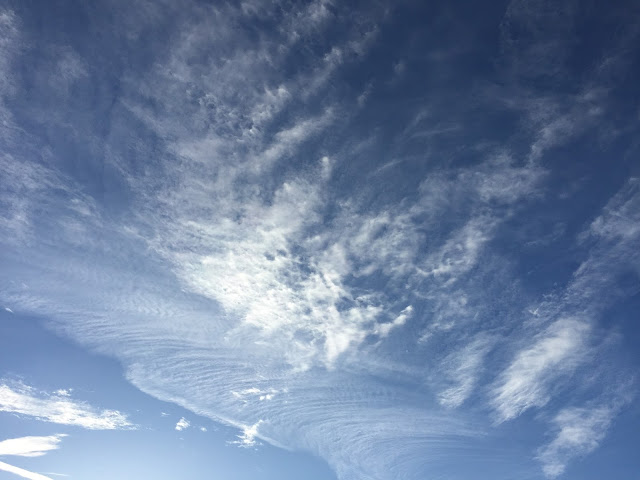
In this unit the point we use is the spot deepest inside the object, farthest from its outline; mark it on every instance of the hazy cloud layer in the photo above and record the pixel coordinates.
(262, 237)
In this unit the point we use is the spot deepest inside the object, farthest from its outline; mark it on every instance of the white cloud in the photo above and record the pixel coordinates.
(22, 472)
(182, 424)
(254, 393)
(21, 399)
(462, 368)
(528, 380)
(248, 437)
(578, 431)
(286, 269)
(385, 328)
(460, 253)
(289, 139)
(619, 219)
(30, 446)
(273, 288)
(9, 46)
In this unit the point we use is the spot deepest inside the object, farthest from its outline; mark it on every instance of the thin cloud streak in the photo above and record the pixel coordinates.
(21, 472)
(30, 446)
(24, 400)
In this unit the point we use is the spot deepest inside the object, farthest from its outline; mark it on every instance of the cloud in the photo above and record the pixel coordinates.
(460, 252)
(619, 219)
(30, 446)
(182, 424)
(253, 392)
(9, 47)
(24, 400)
(578, 431)
(462, 368)
(279, 263)
(22, 472)
(528, 380)
(248, 437)
(385, 328)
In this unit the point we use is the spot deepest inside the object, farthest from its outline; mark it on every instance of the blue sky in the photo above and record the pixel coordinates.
(323, 240)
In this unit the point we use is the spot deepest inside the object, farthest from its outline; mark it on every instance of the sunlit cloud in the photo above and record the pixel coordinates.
(58, 408)
(21, 472)
(307, 255)
(30, 446)
(182, 424)
(248, 437)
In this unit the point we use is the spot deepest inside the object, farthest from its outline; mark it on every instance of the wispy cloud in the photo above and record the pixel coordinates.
(528, 380)
(462, 368)
(21, 472)
(271, 266)
(256, 393)
(182, 424)
(248, 437)
(30, 446)
(385, 328)
(577, 432)
(55, 408)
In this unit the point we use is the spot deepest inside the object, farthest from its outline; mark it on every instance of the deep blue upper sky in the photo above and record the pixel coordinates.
(375, 240)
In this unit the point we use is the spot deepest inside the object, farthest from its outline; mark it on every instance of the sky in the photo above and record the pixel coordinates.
(326, 240)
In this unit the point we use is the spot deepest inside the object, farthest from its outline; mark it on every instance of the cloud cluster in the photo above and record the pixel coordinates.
(263, 261)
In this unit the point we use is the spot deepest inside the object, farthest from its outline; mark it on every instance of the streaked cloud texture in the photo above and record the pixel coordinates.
(400, 237)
